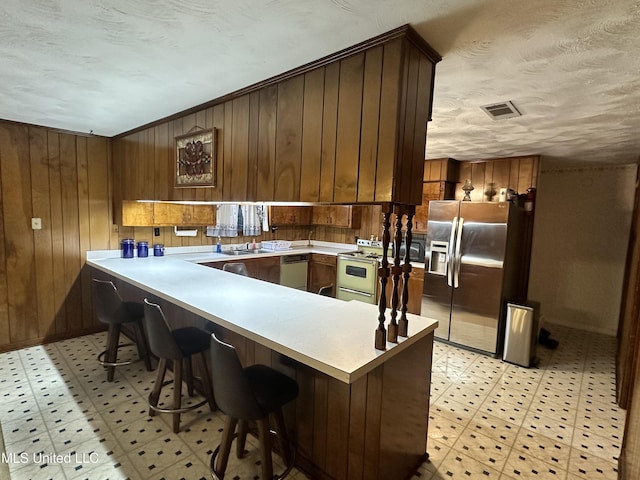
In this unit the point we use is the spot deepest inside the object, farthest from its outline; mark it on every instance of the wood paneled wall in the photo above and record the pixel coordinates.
(65, 180)
(488, 176)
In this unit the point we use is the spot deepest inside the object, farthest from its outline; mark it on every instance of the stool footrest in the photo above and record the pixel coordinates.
(175, 410)
(116, 364)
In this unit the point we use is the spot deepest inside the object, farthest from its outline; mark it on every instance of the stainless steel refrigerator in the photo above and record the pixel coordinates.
(472, 257)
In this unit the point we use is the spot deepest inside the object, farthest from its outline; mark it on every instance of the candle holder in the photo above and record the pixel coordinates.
(467, 188)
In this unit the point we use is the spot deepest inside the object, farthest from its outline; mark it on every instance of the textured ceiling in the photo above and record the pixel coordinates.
(572, 67)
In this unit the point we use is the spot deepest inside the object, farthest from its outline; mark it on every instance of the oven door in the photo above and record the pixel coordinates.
(357, 279)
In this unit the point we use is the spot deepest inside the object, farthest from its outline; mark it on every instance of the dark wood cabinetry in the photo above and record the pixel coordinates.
(349, 128)
(261, 268)
(281, 215)
(322, 272)
(158, 214)
(431, 191)
(343, 216)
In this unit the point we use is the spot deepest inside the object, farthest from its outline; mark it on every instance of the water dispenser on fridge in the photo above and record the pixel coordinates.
(438, 259)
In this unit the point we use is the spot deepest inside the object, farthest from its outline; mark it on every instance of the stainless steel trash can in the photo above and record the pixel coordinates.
(521, 336)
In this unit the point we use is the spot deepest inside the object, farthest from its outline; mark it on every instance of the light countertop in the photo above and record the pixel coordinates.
(330, 335)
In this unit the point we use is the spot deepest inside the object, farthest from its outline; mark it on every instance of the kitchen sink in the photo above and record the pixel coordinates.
(237, 252)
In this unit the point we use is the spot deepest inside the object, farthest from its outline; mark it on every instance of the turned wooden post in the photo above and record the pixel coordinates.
(396, 272)
(403, 323)
(383, 273)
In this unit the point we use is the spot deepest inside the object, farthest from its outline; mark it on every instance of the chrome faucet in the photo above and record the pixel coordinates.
(309, 244)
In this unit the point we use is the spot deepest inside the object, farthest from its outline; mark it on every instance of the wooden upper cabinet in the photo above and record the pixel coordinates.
(147, 214)
(282, 215)
(431, 191)
(342, 216)
(348, 128)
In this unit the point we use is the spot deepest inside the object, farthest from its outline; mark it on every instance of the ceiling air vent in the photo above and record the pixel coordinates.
(501, 110)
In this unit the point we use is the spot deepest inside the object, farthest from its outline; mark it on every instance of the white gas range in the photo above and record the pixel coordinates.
(357, 272)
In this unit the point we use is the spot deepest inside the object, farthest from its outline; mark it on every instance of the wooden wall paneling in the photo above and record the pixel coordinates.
(163, 163)
(42, 240)
(338, 428)
(148, 156)
(267, 142)
(357, 430)
(525, 174)
(423, 108)
(514, 173)
(99, 180)
(189, 125)
(501, 175)
(239, 149)
(57, 229)
(329, 131)
(71, 225)
(84, 229)
(116, 172)
(321, 419)
(464, 173)
(348, 136)
(216, 114)
(20, 271)
(312, 136)
(289, 139)
(305, 411)
(227, 152)
(175, 130)
(252, 163)
(370, 124)
(373, 428)
(406, 129)
(628, 324)
(388, 135)
(5, 332)
(478, 181)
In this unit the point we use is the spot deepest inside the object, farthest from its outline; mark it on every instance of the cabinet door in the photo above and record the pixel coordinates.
(264, 268)
(290, 215)
(340, 216)
(431, 191)
(322, 272)
(137, 214)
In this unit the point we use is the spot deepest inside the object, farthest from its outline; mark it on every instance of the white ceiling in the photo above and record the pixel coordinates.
(572, 67)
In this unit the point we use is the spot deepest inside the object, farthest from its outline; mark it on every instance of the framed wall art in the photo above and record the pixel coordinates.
(195, 164)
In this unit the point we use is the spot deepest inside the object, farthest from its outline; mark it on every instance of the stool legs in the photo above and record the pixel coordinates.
(181, 371)
(141, 343)
(111, 355)
(283, 439)
(264, 436)
(154, 396)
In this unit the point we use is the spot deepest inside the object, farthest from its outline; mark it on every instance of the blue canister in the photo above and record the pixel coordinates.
(158, 250)
(127, 247)
(143, 249)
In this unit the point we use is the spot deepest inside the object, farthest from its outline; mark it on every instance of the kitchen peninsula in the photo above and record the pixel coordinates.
(361, 413)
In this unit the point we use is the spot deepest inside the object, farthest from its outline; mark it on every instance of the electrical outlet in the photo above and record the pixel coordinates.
(156, 231)
(36, 224)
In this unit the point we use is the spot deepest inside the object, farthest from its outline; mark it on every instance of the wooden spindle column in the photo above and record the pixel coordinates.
(398, 301)
(403, 323)
(383, 273)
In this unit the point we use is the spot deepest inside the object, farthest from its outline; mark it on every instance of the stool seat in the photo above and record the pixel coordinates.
(254, 393)
(113, 311)
(177, 346)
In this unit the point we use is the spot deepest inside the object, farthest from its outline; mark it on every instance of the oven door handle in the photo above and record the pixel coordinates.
(369, 261)
(357, 292)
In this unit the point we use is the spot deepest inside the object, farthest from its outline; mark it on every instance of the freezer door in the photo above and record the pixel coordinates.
(476, 303)
(436, 297)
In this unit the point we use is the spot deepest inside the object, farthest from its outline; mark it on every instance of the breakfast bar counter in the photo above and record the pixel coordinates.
(361, 413)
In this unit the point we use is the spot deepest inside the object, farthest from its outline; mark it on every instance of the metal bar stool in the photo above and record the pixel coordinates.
(248, 394)
(112, 310)
(177, 346)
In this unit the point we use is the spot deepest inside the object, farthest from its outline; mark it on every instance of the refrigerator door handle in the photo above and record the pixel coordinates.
(450, 257)
(458, 257)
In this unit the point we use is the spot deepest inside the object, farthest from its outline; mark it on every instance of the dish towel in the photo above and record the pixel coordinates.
(226, 221)
(251, 225)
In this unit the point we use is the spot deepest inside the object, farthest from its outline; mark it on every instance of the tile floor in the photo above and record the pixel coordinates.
(488, 420)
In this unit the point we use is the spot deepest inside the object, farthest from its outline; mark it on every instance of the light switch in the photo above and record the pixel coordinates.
(36, 223)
